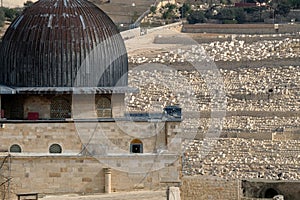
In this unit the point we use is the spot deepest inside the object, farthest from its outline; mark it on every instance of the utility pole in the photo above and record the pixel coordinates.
(1, 3)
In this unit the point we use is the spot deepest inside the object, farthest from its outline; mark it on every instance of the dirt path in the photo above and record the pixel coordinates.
(136, 195)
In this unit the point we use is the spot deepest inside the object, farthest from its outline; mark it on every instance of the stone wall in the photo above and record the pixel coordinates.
(286, 136)
(37, 137)
(77, 169)
(133, 33)
(209, 188)
(39, 104)
(115, 137)
(3, 177)
(240, 28)
(80, 174)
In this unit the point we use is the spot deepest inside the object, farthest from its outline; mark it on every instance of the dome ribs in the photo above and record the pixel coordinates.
(58, 43)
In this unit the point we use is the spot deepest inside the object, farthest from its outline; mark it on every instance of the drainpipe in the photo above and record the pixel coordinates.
(107, 184)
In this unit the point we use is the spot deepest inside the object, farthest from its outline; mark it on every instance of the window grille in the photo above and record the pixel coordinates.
(55, 148)
(15, 148)
(103, 106)
(60, 108)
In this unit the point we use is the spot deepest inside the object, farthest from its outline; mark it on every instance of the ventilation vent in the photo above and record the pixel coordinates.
(15, 149)
(55, 148)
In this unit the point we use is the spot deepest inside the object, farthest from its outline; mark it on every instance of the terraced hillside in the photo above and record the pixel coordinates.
(121, 12)
(14, 3)
(124, 12)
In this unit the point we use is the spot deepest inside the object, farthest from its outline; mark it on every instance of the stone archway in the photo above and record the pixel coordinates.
(270, 193)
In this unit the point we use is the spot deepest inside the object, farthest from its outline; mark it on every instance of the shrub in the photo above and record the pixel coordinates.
(153, 9)
(231, 14)
(184, 10)
(196, 17)
(227, 21)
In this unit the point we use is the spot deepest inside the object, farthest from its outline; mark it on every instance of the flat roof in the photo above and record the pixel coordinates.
(166, 118)
(67, 90)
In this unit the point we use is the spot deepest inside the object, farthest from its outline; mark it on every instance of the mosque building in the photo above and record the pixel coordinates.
(64, 128)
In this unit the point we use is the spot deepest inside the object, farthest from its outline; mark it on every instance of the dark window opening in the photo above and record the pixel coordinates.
(12, 107)
(55, 148)
(136, 146)
(270, 193)
(15, 149)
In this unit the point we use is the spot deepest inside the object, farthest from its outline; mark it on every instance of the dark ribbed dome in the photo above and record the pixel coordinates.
(63, 43)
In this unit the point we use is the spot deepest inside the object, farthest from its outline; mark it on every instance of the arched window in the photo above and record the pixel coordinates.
(103, 107)
(15, 149)
(55, 148)
(136, 146)
(270, 193)
(60, 108)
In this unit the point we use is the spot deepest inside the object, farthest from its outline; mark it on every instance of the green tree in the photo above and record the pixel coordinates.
(11, 13)
(257, 1)
(251, 10)
(170, 6)
(2, 17)
(226, 14)
(282, 9)
(169, 11)
(235, 15)
(209, 13)
(153, 9)
(196, 17)
(295, 4)
(184, 10)
(227, 2)
(240, 15)
(28, 3)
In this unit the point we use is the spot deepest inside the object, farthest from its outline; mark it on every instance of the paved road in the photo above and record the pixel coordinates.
(137, 195)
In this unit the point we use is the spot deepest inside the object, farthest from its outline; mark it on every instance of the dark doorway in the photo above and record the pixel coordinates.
(270, 193)
(136, 148)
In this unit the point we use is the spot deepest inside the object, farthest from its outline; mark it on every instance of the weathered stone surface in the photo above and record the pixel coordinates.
(242, 159)
(204, 188)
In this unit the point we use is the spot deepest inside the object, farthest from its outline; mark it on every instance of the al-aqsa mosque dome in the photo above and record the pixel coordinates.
(63, 119)
(63, 43)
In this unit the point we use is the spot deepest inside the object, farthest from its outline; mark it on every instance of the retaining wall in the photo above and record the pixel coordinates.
(49, 174)
(240, 28)
(206, 188)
